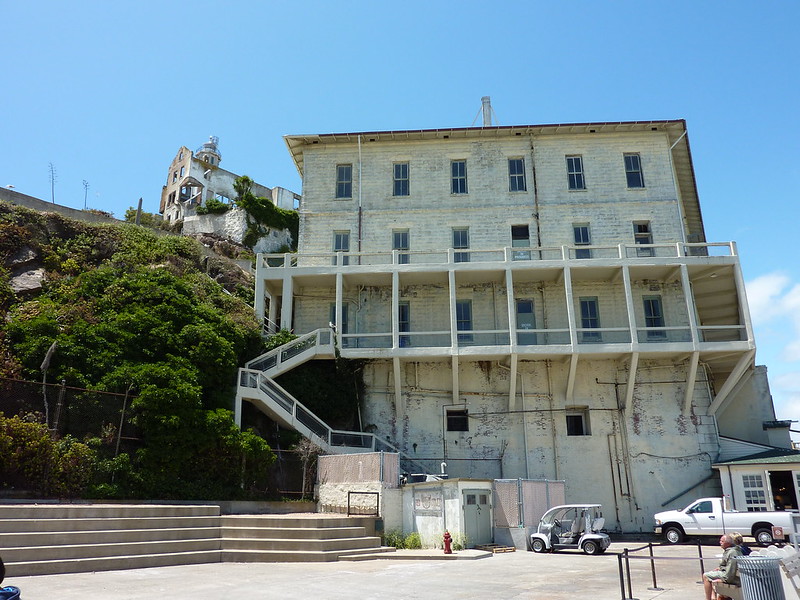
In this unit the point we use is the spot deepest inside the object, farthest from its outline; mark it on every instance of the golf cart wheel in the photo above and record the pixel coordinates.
(673, 535)
(764, 537)
(591, 547)
(538, 545)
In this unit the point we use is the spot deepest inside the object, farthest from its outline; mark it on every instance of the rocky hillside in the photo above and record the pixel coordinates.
(125, 309)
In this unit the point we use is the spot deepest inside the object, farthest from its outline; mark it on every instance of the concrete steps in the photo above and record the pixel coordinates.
(40, 539)
(304, 539)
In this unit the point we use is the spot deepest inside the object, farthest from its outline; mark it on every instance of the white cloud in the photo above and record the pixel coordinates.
(764, 296)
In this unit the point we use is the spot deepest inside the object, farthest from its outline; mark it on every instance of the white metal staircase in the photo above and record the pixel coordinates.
(257, 386)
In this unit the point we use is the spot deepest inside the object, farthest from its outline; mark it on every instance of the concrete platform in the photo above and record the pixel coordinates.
(512, 576)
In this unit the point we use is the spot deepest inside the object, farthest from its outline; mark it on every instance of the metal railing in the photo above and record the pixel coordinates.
(500, 255)
(308, 343)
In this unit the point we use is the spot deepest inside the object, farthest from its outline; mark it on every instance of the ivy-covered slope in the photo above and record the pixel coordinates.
(129, 310)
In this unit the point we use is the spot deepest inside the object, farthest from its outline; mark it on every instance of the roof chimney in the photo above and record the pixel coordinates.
(487, 111)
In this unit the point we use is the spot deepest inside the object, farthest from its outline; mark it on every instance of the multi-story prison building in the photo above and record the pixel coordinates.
(534, 301)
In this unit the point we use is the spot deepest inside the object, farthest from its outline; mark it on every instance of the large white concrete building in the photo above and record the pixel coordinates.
(535, 301)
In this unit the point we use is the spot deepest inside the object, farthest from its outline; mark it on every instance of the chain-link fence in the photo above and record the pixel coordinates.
(70, 410)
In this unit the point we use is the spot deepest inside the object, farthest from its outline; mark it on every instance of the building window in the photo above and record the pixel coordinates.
(404, 323)
(401, 187)
(643, 235)
(461, 242)
(516, 175)
(575, 178)
(520, 238)
(174, 176)
(590, 319)
(464, 319)
(222, 198)
(458, 177)
(400, 242)
(344, 181)
(633, 171)
(578, 422)
(341, 243)
(457, 419)
(654, 317)
(755, 497)
(580, 232)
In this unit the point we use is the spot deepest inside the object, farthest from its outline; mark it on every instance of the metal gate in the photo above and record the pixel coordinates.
(522, 502)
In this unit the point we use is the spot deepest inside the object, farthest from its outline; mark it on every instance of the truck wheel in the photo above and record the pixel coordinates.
(673, 535)
(590, 547)
(764, 536)
(538, 545)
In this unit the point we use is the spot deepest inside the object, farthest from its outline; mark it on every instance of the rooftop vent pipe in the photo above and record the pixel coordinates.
(486, 101)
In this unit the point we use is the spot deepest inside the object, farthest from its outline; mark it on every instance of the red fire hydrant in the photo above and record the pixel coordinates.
(448, 539)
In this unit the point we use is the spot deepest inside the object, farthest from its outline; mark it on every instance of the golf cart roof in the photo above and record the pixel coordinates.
(569, 506)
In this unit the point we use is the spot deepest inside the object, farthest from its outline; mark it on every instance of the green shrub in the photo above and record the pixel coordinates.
(32, 460)
(394, 538)
(413, 541)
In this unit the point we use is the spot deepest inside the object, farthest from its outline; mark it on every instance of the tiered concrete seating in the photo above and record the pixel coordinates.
(306, 538)
(40, 539)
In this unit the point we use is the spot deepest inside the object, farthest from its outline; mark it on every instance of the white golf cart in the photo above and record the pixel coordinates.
(577, 526)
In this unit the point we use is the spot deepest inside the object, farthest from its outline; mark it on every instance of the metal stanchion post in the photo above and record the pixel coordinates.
(621, 578)
(655, 587)
(628, 573)
(700, 554)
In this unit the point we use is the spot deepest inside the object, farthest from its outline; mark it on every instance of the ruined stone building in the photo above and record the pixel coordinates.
(194, 178)
(533, 301)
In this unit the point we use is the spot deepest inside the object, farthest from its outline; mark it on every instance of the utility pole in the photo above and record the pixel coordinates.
(85, 192)
(53, 183)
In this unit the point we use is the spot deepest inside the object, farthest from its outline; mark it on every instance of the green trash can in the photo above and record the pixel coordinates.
(761, 577)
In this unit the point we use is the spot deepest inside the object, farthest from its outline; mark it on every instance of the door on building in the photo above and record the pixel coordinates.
(783, 490)
(477, 516)
(526, 320)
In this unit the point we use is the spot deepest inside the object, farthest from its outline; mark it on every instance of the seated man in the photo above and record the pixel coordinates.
(727, 570)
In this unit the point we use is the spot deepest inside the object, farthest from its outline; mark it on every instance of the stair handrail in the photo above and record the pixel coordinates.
(324, 435)
(273, 358)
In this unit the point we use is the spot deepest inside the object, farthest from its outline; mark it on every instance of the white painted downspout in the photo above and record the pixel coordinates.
(359, 199)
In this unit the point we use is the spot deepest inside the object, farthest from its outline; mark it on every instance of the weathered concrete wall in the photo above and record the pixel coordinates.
(232, 225)
(489, 209)
(333, 497)
(15, 197)
(632, 458)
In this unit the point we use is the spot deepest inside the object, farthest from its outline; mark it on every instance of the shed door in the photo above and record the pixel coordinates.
(477, 516)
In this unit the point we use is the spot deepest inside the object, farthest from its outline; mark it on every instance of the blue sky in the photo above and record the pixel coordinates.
(108, 91)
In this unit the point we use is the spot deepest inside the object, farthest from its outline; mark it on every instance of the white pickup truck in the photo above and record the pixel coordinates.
(706, 516)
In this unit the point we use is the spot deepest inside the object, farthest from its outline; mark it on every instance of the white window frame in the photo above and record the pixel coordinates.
(634, 175)
(401, 184)
(460, 237)
(344, 181)
(576, 179)
(582, 237)
(458, 177)
(754, 492)
(516, 175)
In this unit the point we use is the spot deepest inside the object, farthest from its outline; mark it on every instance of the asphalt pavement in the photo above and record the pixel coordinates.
(421, 575)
